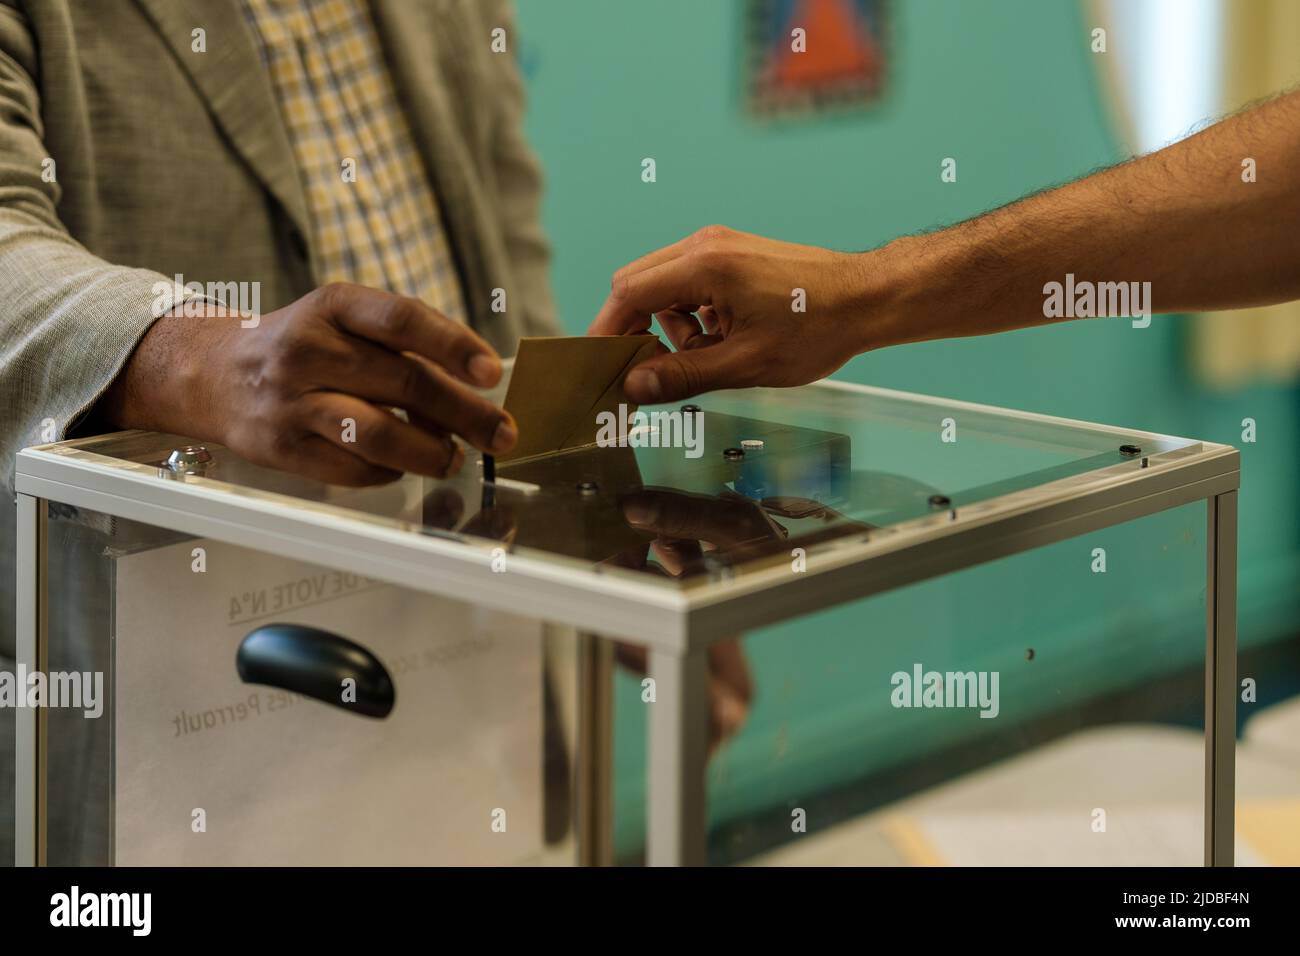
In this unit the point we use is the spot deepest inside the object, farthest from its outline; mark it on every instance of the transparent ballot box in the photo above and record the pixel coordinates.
(249, 667)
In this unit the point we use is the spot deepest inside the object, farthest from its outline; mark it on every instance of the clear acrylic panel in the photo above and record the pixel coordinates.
(173, 758)
(864, 742)
(493, 706)
(756, 473)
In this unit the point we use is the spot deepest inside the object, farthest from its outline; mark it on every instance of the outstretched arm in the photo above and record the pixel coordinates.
(1185, 219)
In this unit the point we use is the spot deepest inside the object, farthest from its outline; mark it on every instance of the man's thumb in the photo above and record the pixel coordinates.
(678, 375)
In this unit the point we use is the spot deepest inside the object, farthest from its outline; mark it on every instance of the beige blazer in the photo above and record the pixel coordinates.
(167, 161)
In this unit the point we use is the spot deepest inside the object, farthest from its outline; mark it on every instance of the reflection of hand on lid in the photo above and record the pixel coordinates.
(444, 508)
(680, 522)
(732, 525)
(683, 522)
(497, 523)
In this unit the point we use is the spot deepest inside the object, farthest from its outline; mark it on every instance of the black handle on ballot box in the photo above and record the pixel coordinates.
(316, 663)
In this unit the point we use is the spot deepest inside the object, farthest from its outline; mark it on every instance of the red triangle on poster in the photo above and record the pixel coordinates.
(839, 46)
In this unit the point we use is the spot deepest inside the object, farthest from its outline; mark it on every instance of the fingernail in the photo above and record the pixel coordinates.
(641, 513)
(484, 369)
(644, 383)
(504, 438)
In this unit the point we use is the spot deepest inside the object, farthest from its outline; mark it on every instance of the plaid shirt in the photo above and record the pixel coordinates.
(375, 220)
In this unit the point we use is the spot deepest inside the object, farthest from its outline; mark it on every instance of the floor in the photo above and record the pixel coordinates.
(1125, 795)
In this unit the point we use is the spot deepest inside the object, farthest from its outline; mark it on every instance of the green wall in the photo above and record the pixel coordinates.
(1007, 88)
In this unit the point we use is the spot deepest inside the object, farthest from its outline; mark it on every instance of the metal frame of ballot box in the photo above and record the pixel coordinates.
(675, 623)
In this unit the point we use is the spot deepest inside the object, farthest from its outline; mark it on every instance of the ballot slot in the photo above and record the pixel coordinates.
(773, 469)
(610, 504)
(800, 489)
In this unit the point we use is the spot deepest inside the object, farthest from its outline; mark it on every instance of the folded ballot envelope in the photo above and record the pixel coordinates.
(563, 488)
(561, 384)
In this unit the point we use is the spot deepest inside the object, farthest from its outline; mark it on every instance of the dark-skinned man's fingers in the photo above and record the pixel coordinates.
(497, 430)
(429, 395)
(323, 460)
(403, 324)
(668, 378)
(462, 411)
(379, 436)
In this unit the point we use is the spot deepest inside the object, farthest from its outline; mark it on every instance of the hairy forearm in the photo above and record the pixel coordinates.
(1182, 219)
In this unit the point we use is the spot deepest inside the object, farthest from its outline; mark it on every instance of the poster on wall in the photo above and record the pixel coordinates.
(814, 56)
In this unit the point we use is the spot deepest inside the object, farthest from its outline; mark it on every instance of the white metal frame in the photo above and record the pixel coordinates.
(675, 624)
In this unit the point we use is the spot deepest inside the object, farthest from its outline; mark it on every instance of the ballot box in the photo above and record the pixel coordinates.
(236, 665)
